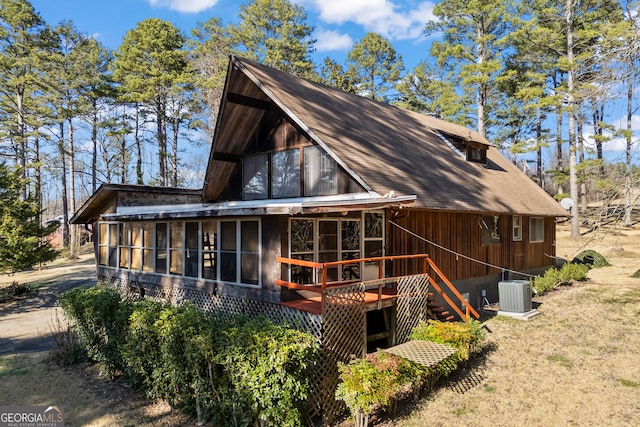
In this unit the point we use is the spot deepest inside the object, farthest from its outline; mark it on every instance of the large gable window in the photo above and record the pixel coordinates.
(320, 173)
(278, 175)
(255, 170)
(285, 174)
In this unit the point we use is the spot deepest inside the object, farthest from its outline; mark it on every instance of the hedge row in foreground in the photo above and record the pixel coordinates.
(226, 372)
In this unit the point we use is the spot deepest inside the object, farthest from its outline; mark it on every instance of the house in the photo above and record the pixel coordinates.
(302, 180)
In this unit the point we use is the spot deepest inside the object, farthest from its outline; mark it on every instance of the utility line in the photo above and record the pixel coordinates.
(458, 254)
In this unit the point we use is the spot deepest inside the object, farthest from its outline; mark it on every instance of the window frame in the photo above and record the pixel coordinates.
(341, 252)
(536, 229)
(111, 252)
(516, 227)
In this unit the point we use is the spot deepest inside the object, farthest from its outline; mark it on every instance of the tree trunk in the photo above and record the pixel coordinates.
(481, 95)
(539, 150)
(21, 144)
(583, 173)
(63, 182)
(627, 170)
(162, 142)
(94, 153)
(573, 177)
(139, 173)
(174, 158)
(74, 246)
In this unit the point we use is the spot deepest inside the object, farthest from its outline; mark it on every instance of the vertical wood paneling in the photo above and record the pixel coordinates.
(461, 233)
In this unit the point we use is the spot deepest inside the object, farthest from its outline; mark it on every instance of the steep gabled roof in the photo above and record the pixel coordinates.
(383, 147)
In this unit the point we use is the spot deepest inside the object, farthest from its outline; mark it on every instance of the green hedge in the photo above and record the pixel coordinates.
(226, 372)
(554, 277)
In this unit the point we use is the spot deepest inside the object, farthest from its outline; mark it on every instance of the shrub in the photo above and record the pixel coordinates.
(465, 337)
(554, 277)
(591, 258)
(228, 372)
(375, 382)
(268, 366)
(101, 318)
(636, 275)
(572, 271)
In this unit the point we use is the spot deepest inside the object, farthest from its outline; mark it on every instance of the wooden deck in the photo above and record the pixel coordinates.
(313, 304)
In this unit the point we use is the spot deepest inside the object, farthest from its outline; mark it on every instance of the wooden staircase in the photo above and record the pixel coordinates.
(437, 312)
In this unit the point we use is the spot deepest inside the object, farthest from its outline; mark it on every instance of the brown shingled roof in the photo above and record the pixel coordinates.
(391, 149)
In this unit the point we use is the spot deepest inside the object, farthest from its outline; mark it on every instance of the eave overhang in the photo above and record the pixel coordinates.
(292, 206)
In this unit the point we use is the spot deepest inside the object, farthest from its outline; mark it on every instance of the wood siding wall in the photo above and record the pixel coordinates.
(462, 233)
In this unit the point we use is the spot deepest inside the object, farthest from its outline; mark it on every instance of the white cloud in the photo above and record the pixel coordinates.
(616, 143)
(186, 6)
(391, 20)
(332, 40)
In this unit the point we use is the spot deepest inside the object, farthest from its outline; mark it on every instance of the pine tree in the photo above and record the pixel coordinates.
(23, 241)
(377, 66)
(275, 33)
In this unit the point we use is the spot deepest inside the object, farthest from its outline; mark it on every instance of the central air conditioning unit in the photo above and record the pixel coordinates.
(515, 296)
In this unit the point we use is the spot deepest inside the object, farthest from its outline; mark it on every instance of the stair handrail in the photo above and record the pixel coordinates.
(468, 308)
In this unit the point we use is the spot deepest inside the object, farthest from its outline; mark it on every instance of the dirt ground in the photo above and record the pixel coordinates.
(575, 364)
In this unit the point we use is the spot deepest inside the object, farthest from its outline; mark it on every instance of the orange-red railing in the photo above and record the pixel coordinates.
(379, 282)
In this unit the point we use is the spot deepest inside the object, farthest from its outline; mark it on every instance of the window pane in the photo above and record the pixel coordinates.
(136, 259)
(228, 236)
(373, 248)
(147, 234)
(328, 235)
(249, 269)
(301, 235)
(490, 230)
(255, 171)
(191, 235)
(302, 275)
(536, 229)
(102, 234)
(124, 257)
(209, 265)
(103, 253)
(191, 252)
(113, 256)
(228, 266)
(320, 172)
(147, 261)
(123, 237)
(209, 242)
(285, 174)
(136, 238)
(161, 247)
(175, 267)
(350, 235)
(176, 234)
(249, 236)
(113, 234)
(373, 224)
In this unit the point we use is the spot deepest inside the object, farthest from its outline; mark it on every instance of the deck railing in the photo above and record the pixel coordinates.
(318, 286)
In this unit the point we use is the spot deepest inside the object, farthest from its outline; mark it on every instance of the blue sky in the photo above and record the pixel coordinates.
(338, 23)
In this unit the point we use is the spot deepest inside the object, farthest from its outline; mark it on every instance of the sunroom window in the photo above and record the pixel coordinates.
(222, 250)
